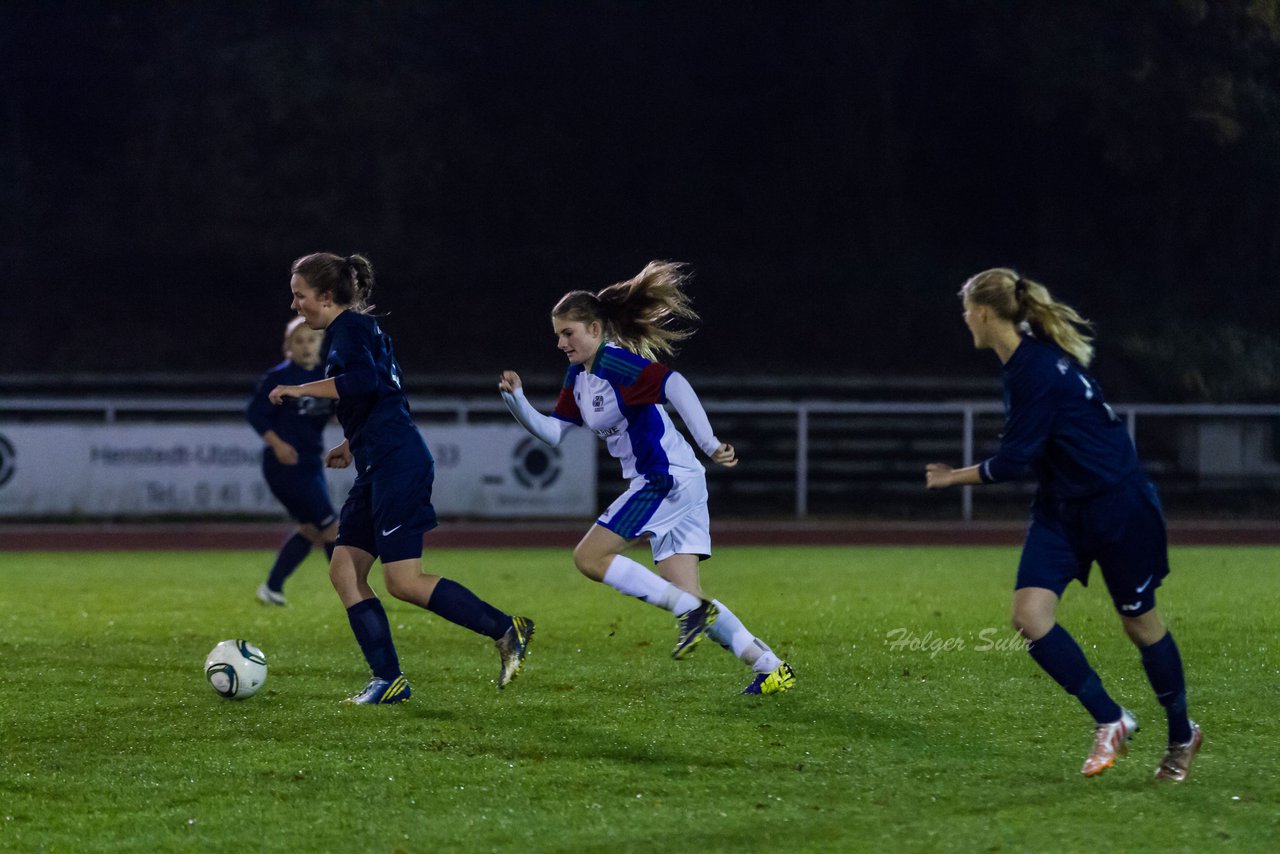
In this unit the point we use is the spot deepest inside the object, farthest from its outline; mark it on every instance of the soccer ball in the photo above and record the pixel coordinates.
(236, 669)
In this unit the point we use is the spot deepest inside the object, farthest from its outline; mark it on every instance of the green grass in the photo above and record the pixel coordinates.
(113, 741)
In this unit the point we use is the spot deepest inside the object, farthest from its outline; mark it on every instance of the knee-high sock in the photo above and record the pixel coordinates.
(293, 552)
(631, 579)
(1163, 664)
(459, 605)
(729, 632)
(373, 632)
(1061, 657)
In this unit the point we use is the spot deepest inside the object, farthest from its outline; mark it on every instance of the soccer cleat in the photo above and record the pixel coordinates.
(693, 627)
(513, 646)
(267, 596)
(1177, 757)
(382, 691)
(775, 681)
(1110, 741)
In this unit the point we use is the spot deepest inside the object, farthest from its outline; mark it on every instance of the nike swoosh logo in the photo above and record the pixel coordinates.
(1135, 606)
(391, 531)
(1145, 583)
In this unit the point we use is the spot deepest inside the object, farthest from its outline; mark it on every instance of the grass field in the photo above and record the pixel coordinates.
(113, 741)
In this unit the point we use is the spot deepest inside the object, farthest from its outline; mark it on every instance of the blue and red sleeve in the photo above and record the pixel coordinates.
(649, 386)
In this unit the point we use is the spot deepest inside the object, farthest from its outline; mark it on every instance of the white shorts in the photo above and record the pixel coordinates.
(672, 511)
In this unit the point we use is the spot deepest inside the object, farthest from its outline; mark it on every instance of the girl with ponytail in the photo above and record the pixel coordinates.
(389, 507)
(1093, 503)
(614, 387)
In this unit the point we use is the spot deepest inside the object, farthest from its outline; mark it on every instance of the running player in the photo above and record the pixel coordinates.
(613, 388)
(1093, 503)
(389, 506)
(293, 463)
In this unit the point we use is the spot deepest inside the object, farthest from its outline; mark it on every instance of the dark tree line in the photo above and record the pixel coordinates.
(832, 170)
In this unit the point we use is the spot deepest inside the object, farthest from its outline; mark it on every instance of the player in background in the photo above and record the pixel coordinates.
(293, 463)
(389, 506)
(1093, 503)
(613, 388)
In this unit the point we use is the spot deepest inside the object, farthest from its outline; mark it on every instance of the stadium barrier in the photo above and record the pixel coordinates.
(800, 459)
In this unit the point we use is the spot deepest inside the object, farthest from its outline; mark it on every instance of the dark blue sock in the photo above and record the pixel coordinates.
(328, 550)
(293, 552)
(459, 605)
(373, 631)
(1061, 657)
(1164, 670)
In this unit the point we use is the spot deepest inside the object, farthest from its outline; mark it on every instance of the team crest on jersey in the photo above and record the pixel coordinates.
(597, 403)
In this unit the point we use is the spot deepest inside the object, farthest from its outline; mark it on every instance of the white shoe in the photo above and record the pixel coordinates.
(1109, 742)
(267, 596)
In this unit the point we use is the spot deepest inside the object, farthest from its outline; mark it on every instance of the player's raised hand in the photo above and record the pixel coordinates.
(725, 455)
(937, 476)
(508, 381)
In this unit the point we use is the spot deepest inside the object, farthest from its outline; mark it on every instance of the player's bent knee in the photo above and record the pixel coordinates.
(1032, 625)
(590, 564)
(397, 586)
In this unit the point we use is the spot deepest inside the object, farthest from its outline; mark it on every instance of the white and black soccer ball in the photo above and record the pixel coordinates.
(236, 669)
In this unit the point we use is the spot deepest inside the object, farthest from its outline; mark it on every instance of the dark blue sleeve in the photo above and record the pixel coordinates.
(1032, 409)
(352, 366)
(261, 412)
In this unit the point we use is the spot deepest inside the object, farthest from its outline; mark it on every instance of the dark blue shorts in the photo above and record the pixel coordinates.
(1121, 530)
(302, 490)
(389, 508)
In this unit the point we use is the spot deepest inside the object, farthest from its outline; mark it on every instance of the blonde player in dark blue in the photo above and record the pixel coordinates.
(389, 507)
(1093, 503)
(293, 461)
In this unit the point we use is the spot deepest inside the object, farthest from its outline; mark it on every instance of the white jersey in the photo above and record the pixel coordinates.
(621, 399)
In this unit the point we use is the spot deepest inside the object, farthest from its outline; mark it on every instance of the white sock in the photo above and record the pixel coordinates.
(631, 579)
(729, 632)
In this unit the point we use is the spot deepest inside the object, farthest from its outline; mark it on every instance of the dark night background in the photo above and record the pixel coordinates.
(831, 171)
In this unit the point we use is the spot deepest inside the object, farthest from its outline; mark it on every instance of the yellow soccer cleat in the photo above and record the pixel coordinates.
(776, 681)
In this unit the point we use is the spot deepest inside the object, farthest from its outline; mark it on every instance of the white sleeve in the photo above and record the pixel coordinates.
(681, 395)
(544, 427)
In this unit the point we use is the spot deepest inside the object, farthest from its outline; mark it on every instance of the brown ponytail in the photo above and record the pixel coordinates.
(348, 278)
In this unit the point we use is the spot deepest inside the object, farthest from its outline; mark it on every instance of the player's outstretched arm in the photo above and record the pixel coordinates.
(326, 389)
(941, 476)
(544, 427)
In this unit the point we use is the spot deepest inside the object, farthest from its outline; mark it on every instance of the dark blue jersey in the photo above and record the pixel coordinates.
(299, 421)
(371, 406)
(1058, 427)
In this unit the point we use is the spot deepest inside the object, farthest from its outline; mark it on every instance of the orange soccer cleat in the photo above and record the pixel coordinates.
(1110, 741)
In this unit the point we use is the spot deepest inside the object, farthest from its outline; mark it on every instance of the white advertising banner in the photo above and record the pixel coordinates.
(215, 469)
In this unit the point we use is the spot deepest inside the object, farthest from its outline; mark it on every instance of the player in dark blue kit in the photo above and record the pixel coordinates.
(293, 463)
(1093, 503)
(389, 506)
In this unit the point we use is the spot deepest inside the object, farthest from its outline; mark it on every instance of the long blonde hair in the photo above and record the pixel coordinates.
(642, 313)
(1029, 304)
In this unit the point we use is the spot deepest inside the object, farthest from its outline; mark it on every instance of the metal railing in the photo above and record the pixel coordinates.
(802, 415)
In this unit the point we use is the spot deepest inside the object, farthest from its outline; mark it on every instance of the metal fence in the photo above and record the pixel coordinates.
(826, 458)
